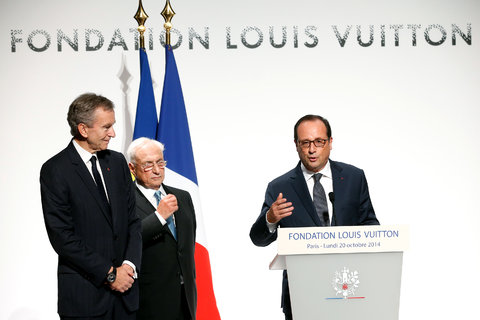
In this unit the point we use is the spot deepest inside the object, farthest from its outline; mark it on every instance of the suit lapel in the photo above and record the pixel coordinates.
(110, 183)
(143, 204)
(338, 188)
(146, 207)
(300, 186)
(81, 169)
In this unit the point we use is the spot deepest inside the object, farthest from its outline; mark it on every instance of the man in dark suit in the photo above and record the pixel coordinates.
(299, 197)
(88, 204)
(167, 280)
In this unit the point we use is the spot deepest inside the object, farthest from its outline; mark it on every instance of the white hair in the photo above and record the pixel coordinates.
(140, 143)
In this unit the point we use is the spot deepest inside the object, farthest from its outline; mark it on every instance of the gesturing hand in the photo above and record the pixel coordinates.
(167, 206)
(279, 209)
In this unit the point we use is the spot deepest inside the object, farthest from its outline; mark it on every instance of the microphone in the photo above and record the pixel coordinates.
(331, 196)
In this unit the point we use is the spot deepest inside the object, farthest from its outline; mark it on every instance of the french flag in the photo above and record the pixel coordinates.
(172, 130)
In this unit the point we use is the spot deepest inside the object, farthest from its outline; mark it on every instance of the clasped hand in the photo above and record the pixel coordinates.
(124, 280)
(167, 206)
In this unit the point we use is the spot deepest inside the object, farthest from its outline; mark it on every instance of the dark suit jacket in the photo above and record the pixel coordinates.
(166, 261)
(352, 206)
(87, 238)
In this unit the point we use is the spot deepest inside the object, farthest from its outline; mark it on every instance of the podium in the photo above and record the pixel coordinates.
(337, 273)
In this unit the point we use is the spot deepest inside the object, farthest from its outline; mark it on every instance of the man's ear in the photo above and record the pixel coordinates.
(82, 129)
(132, 169)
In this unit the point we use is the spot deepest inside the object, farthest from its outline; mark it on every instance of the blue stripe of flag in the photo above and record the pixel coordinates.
(172, 128)
(146, 117)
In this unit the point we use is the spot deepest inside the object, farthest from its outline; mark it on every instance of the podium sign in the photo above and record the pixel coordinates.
(343, 272)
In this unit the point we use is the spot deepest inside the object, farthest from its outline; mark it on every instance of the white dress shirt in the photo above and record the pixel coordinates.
(326, 181)
(86, 158)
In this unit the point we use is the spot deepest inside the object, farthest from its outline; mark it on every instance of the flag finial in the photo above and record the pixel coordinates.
(141, 16)
(167, 14)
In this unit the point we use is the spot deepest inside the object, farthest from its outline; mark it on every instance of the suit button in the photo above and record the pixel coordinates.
(115, 237)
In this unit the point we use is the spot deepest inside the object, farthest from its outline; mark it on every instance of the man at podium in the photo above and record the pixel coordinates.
(317, 192)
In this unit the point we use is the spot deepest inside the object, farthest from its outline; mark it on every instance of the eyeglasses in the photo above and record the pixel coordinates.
(319, 143)
(148, 166)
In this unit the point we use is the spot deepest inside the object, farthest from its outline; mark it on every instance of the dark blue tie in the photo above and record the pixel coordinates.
(98, 181)
(320, 201)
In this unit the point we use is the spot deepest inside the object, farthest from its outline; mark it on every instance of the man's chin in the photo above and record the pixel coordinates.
(103, 146)
(156, 184)
(313, 167)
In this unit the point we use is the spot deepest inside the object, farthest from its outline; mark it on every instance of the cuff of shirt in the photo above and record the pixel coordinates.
(162, 221)
(135, 276)
(272, 227)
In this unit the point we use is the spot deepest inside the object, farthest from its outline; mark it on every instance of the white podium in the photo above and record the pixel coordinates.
(337, 273)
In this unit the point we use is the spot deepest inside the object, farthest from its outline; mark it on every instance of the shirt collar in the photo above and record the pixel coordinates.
(84, 154)
(149, 193)
(326, 171)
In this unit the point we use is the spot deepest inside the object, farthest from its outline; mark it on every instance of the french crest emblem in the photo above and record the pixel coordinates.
(345, 282)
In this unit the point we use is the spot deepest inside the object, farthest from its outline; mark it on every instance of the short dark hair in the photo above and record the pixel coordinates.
(312, 117)
(82, 109)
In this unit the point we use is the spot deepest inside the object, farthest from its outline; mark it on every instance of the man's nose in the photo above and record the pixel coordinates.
(156, 168)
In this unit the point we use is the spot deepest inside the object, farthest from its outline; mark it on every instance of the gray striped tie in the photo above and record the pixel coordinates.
(320, 201)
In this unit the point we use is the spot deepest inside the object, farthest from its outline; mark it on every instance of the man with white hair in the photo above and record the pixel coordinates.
(167, 278)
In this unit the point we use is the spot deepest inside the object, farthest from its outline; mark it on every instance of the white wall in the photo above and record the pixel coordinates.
(408, 115)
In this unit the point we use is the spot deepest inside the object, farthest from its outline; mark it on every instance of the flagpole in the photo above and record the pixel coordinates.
(173, 131)
(146, 119)
(167, 14)
(141, 16)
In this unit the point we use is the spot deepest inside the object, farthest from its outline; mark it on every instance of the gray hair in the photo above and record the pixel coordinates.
(82, 110)
(140, 143)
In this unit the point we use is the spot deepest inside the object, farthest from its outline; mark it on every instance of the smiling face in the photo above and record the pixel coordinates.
(98, 135)
(313, 158)
(148, 155)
